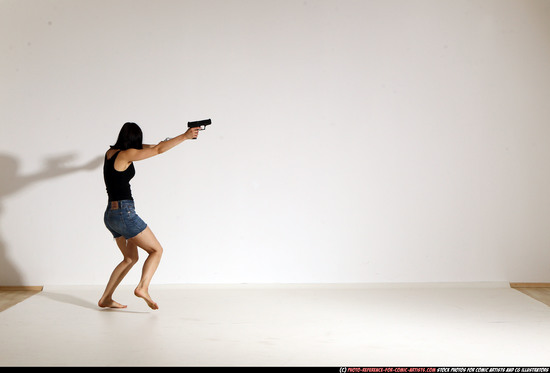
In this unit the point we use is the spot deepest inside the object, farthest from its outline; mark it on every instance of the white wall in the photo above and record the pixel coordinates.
(352, 141)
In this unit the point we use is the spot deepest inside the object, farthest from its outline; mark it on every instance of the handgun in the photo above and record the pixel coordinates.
(199, 123)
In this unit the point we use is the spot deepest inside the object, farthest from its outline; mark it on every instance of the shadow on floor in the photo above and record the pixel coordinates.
(76, 301)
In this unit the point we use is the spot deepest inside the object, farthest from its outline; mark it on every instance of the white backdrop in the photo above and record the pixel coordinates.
(352, 141)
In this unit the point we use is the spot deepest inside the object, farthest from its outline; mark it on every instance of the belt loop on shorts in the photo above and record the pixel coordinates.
(114, 205)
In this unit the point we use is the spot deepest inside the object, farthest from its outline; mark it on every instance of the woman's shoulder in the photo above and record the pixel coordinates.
(111, 152)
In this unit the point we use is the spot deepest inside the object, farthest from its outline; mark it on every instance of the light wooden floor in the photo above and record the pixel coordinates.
(540, 294)
(10, 296)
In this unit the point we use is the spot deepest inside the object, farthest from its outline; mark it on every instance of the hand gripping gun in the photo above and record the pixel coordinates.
(200, 123)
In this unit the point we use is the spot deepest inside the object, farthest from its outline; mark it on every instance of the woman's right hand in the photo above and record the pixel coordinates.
(192, 133)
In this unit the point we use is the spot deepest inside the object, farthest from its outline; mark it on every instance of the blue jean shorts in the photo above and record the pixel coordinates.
(121, 219)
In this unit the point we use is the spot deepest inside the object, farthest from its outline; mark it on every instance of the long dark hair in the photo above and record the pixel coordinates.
(130, 136)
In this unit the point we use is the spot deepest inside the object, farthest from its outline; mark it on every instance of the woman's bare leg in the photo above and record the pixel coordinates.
(129, 251)
(148, 242)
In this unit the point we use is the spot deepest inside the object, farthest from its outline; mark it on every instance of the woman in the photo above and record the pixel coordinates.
(128, 229)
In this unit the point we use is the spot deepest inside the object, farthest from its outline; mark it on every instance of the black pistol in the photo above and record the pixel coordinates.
(199, 123)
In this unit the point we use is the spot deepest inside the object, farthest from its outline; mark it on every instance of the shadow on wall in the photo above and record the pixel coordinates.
(11, 182)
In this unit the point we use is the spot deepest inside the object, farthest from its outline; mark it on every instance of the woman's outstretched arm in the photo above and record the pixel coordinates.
(148, 151)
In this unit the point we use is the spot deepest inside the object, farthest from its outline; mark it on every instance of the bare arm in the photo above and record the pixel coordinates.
(148, 151)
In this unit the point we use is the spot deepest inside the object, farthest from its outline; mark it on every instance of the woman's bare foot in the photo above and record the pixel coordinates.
(109, 303)
(144, 294)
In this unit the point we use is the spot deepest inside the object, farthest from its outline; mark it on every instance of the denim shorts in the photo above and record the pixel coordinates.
(123, 221)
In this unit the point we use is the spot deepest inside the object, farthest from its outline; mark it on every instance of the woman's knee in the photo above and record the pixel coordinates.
(148, 242)
(157, 250)
(131, 259)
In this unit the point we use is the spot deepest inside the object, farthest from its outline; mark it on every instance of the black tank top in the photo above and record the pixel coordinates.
(117, 183)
